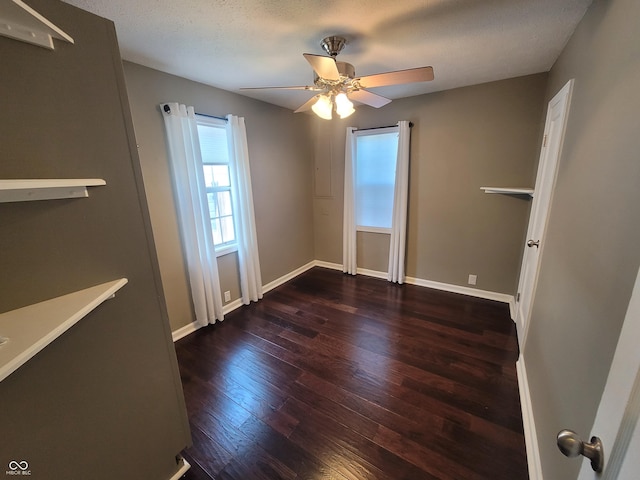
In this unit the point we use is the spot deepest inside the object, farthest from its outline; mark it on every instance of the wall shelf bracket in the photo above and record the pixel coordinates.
(21, 22)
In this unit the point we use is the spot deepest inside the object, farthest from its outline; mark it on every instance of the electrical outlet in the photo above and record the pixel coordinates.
(473, 279)
(227, 296)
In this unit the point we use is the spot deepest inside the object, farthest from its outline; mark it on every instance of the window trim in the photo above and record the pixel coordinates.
(229, 247)
(377, 131)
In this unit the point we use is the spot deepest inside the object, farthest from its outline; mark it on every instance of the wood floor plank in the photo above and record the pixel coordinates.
(429, 431)
(332, 376)
(207, 453)
(295, 456)
(340, 446)
(195, 472)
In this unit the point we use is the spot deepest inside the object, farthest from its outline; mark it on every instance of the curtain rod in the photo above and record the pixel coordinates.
(211, 116)
(388, 126)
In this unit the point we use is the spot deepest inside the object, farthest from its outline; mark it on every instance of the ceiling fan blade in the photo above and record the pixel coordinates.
(412, 75)
(301, 87)
(369, 98)
(325, 67)
(307, 105)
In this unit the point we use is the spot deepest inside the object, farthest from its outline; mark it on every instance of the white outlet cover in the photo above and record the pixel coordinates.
(473, 279)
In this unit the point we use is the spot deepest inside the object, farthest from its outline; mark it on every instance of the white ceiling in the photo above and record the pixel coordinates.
(249, 43)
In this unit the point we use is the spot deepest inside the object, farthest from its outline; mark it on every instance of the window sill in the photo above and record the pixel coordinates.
(373, 229)
(226, 250)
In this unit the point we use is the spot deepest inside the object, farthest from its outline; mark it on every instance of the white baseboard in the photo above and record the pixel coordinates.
(447, 287)
(359, 271)
(512, 308)
(285, 278)
(192, 327)
(183, 466)
(230, 307)
(372, 273)
(528, 421)
(474, 292)
(184, 331)
(332, 266)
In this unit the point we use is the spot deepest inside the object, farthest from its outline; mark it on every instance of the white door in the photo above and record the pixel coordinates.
(616, 422)
(545, 180)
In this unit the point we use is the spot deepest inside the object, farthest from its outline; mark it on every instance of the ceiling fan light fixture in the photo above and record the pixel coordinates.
(323, 107)
(344, 107)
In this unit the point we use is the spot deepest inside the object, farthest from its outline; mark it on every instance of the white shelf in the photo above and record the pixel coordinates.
(509, 190)
(46, 189)
(26, 331)
(21, 22)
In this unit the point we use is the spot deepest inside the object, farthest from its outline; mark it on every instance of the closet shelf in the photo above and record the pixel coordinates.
(509, 190)
(21, 22)
(26, 331)
(46, 189)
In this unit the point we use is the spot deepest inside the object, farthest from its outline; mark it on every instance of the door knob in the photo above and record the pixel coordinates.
(571, 445)
(531, 243)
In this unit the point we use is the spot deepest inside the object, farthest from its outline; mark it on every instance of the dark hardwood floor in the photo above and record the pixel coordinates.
(338, 377)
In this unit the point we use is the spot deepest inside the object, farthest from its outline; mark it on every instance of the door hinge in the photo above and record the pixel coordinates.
(544, 141)
(518, 297)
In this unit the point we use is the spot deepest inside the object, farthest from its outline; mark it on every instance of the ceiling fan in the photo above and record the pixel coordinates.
(338, 85)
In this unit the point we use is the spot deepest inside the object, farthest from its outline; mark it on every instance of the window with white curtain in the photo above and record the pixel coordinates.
(375, 177)
(214, 149)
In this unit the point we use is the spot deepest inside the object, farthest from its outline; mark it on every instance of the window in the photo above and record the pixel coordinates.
(212, 134)
(375, 178)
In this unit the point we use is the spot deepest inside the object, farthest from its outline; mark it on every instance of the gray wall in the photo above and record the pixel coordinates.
(591, 255)
(104, 400)
(281, 177)
(462, 139)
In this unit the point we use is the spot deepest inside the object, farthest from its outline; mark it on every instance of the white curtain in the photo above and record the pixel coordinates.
(349, 216)
(197, 238)
(245, 223)
(400, 200)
